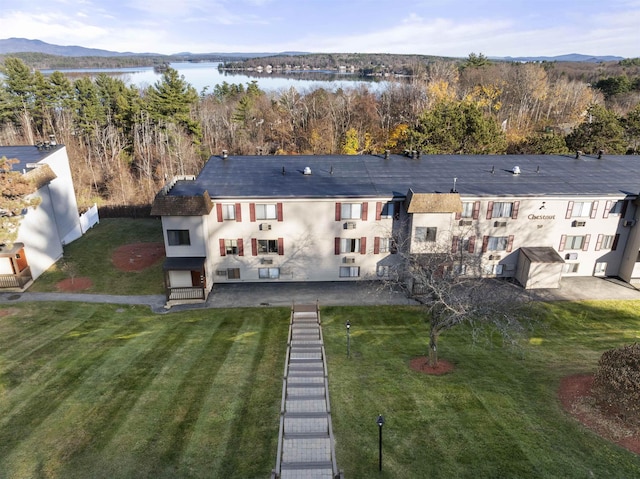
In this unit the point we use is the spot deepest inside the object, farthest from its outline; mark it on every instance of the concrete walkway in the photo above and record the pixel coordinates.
(305, 441)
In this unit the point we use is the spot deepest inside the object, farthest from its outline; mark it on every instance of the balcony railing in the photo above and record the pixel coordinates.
(16, 280)
(180, 294)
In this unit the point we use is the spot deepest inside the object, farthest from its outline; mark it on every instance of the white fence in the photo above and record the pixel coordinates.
(89, 219)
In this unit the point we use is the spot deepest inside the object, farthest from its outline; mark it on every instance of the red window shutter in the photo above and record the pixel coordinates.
(569, 210)
(338, 211)
(238, 208)
(280, 246)
(599, 242)
(585, 246)
(223, 250)
(240, 247)
(363, 245)
(252, 212)
(376, 245)
(514, 211)
(378, 210)
(485, 243)
(563, 241)
(365, 211)
(607, 208)
(454, 244)
(476, 210)
(594, 209)
(472, 244)
(614, 246)
(254, 247)
(279, 207)
(337, 246)
(219, 212)
(489, 210)
(510, 244)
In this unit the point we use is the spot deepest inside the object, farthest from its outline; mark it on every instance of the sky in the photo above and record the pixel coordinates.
(452, 28)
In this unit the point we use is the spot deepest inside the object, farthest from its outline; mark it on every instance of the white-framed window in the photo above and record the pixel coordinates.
(467, 209)
(574, 242)
(266, 211)
(385, 245)
(349, 271)
(349, 245)
(426, 233)
(601, 268)
(570, 267)
(267, 246)
(607, 241)
(268, 273)
(231, 246)
(494, 269)
(497, 243)
(581, 209)
(387, 210)
(502, 209)
(178, 238)
(228, 211)
(460, 269)
(233, 273)
(382, 271)
(351, 211)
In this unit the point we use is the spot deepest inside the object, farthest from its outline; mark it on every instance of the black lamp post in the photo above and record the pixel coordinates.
(348, 325)
(380, 424)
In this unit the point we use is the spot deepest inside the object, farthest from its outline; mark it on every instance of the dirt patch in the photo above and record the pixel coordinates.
(421, 364)
(137, 256)
(575, 395)
(7, 312)
(75, 284)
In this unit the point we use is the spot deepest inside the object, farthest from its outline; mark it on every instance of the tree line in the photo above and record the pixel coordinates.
(124, 142)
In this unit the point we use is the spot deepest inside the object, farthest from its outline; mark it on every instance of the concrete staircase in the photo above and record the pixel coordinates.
(305, 442)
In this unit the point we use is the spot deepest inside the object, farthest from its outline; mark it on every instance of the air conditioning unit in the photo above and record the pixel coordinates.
(350, 225)
(500, 224)
(629, 223)
(265, 227)
(579, 223)
(465, 223)
(266, 261)
(495, 256)
(349, 260)
(571, 256)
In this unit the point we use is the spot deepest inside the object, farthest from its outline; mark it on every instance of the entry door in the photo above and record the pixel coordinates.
(197, 279)
(21, 260)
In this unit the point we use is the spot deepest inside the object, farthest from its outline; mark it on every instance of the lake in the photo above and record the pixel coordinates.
(206, 75)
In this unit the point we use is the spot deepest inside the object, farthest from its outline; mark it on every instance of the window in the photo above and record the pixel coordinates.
(460, 269)
(382, 271)
(467, 209)
(494, 269)
(601, 268)
(387, 210)
(349, 245)
(267, 212)
(501, 209)
(497, 243)
(267, 246)
(426, 233)
(385, 245)
(228, 211)
(233, 273)
(351, 211)
(570, 267)
(581, 209)
(231, 246)
(178, 237)
(349, 271)
(607, 241)
(574, 242)
(268, 273)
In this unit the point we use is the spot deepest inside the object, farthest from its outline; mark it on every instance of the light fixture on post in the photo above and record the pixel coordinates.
(348, 325)
(380, 423)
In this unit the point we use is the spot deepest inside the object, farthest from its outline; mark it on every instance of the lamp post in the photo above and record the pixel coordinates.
(380, 422)
(348, 325)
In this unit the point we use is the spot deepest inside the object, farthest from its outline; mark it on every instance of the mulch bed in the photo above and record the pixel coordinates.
(137, 256)
(74, 284)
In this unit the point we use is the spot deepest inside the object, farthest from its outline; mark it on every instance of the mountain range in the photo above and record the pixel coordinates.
(24, 45)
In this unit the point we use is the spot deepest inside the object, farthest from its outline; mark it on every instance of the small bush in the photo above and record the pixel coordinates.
(616, 385)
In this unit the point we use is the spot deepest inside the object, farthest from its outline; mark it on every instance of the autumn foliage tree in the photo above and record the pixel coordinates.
(16, 196)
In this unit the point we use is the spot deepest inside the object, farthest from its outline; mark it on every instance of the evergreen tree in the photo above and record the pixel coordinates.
(601, 130)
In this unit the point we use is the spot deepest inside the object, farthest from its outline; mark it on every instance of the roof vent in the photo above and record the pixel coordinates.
(225, 154)
(579, 154)
(600, 153)
(516, 170)
(307, 171)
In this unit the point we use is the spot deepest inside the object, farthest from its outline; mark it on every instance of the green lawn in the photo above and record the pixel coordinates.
(90, 256)
(100, 391)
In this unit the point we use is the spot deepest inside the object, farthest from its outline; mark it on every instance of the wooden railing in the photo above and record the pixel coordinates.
(16, 280)
(179, 294)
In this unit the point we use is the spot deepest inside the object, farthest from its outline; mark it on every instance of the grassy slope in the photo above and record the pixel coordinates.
(91, 257)
(117, 392)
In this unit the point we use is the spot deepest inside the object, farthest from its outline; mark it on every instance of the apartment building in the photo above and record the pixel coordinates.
(342, 218)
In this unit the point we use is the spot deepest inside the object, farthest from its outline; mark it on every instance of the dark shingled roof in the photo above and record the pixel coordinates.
(373, 176)
(541, 254)
(26, 154)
